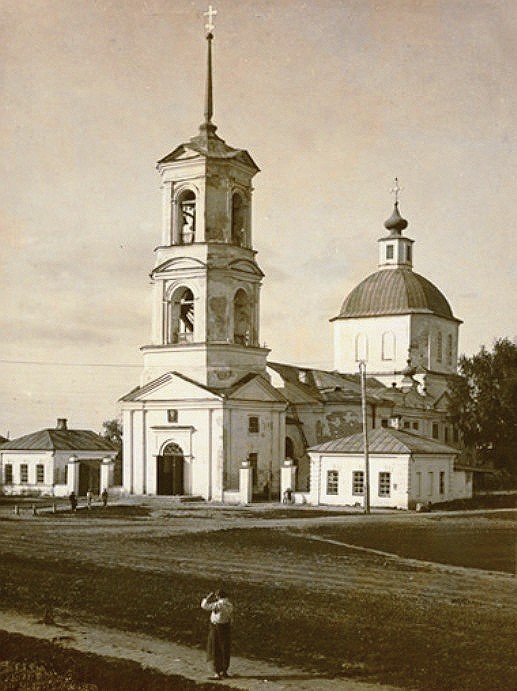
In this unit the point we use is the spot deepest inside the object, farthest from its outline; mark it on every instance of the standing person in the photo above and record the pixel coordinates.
(89, 497)
(73, 501)
(219, 633)
(104, 497)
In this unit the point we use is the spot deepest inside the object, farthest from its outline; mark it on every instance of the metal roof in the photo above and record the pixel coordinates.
(395, 291)
(60, 440)
(385, 440)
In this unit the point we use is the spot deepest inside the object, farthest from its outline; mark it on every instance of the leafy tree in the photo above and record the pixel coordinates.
(112, 430)
(483, 405)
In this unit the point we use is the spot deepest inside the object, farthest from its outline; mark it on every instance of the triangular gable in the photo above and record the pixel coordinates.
(171, 386)
(180, 153)
(256, 388)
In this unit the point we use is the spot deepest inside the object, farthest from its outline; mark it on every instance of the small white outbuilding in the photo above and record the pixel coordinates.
(405, 470)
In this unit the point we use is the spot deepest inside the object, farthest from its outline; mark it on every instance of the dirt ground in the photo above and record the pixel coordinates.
(293, 550)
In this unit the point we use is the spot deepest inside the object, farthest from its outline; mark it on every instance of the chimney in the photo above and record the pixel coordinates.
(61, 423)
(394, 421)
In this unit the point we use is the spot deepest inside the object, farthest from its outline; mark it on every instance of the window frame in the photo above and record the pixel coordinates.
(383, 490)
(24, 473)
(40, 473)
(8, 474)
(332, 485)
(358, 481)
(253, 424)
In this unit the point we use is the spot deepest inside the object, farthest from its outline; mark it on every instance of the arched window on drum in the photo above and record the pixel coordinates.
(361, 347)
(388, 345)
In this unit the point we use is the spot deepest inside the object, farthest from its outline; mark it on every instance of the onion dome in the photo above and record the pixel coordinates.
(395, 223)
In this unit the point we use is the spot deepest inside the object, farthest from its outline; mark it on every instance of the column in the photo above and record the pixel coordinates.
(246, 482)
(73, 474)
(106, 473)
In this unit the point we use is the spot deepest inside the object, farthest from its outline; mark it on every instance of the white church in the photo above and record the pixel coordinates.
(213, 418)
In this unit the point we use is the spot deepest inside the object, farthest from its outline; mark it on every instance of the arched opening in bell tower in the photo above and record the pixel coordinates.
(238, 220)
(241, 318)
(187, 217)
(180, 320)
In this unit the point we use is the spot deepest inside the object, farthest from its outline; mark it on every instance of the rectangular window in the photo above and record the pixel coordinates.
(449, 349)
(8, 474)
(24, 472)
(406, 424)
(384, 422)
(439, 347)
(40, 473)
(253, 425)
(389, 251)
(172, 415)
(415, 425)
(253, 461)
(66, 474)
(332, 481)
(442, 482)
(430, 483)
(445, 434)
(408, 253)
(436, 430)
(358, 482)
(384, 484)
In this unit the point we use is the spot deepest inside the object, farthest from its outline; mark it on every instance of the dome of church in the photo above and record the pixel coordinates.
(395, 291)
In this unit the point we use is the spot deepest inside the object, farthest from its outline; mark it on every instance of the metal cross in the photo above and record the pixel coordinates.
(396, 190)
(210, 14)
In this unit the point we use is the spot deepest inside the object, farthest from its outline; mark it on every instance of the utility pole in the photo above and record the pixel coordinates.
(362, 370)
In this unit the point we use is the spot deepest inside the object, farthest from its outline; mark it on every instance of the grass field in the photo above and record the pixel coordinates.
(304, 595)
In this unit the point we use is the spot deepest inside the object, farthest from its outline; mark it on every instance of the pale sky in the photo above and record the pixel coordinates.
(332, 98)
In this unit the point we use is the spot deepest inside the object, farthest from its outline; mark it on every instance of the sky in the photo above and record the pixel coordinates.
(332, 98)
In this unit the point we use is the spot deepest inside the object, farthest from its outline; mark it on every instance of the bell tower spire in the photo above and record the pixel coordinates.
(207, 125)
(395, 250)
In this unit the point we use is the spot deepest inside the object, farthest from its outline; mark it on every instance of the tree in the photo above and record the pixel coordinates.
(483, 405)
(112, 430)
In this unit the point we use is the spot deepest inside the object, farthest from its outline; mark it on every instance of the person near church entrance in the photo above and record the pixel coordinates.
(89, 497)
(219, 633)
(104, 497)
(73, 501)
(288, 496)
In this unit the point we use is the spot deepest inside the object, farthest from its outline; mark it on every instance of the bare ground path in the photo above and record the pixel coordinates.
(171, 658)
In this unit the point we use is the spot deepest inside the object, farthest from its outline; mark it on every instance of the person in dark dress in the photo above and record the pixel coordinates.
(219, 632)
(73, 501)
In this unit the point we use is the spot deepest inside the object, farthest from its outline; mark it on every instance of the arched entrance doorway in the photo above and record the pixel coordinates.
(170, 470)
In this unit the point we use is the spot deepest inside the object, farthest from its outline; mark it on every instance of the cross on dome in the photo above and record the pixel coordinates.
(396, 190)
(210, 26)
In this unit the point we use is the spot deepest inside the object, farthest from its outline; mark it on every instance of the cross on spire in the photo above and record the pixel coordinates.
(396, 190)
(210, 26)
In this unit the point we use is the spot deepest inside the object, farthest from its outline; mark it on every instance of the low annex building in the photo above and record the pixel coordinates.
(405, 470)
(57, 461)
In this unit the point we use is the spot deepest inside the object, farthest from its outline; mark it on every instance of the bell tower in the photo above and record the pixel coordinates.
(206, 282)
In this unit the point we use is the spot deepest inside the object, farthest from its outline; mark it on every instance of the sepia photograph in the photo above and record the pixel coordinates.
(258, 346)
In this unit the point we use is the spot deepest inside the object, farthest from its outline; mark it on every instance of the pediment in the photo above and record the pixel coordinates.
(171, 387)
(186, 263)
(180, 153)
(257, 389)
(245, 266)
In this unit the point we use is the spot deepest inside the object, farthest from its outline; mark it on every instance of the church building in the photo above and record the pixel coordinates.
(211, 416)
